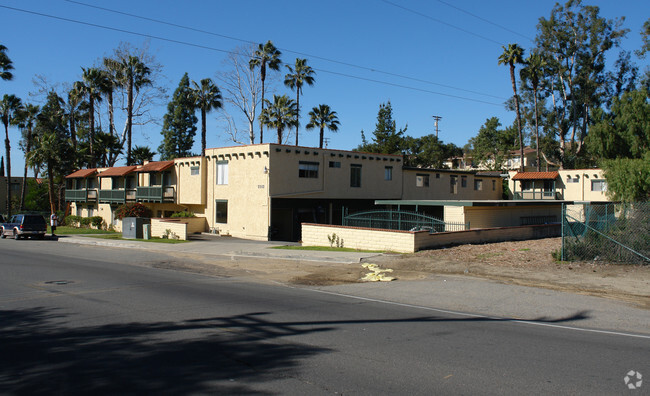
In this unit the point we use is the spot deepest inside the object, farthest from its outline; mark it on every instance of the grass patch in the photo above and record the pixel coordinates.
(524, 249)
(65, 230)
(118, 236)
(326, 249)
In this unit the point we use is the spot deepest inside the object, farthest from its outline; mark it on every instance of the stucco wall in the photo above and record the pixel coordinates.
(191, 189)
(496, 216)
(573, 184)
(440, 186)
(160, 226)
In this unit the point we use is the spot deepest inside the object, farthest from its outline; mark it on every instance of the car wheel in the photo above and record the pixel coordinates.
(3, 236)
(40, 236)
(16, 236)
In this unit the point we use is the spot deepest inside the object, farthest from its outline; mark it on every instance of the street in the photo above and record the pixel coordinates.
(84, 319)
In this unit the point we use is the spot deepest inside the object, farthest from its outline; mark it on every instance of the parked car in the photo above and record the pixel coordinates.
(24, 225)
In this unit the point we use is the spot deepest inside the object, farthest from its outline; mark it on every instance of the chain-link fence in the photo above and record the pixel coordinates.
(614, 232)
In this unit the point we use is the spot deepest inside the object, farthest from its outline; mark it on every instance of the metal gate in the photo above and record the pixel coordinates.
(399, 220)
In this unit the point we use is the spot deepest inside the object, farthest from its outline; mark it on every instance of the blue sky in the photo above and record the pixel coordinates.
(449, 55)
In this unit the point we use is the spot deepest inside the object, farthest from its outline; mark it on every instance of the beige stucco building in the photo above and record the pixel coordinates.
(568, 185)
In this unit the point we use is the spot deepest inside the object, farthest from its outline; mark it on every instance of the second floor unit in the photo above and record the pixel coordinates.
(570, 185)
(152, 182)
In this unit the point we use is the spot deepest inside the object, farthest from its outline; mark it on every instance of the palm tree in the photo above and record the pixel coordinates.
(512, 55)
(10, 107)
(207, 97)
(25, 121)
(132, 73)
(91, 87)
(533, 72)
(296, 77)
(322, 117)
(265, 56)
(5, 65)
(280, 114)
(141, 154)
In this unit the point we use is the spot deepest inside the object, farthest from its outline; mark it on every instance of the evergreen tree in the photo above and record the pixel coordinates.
(387, 139)
(179, 126)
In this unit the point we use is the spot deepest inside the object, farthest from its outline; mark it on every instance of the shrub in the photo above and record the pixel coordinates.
(96, 222)
(86, 221)
(183, 214)
(132, 210)
(72, 221)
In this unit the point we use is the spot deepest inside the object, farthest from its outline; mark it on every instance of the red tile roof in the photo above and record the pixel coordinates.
(536, 176)
(81, 173)
(156, 166)
(118, 171)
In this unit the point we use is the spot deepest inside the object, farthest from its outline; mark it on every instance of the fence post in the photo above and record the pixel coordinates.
(562, 231)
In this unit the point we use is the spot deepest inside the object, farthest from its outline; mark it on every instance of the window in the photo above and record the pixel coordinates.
(388, 173)
(453, 184)
(308, 169)
(421, 180)
(570, 179)
(222, 211)
(494, 185)
(335, 164)
(478, 184)
(152, 179)
(355, 175)
(91, 210)
(194, 170)
(222, 172)
(526, 185)
(463, 181)
(598, 185)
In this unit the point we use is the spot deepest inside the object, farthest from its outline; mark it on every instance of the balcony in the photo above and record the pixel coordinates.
(155, 194)
(116, 196)
(81, 195)
(544, 195)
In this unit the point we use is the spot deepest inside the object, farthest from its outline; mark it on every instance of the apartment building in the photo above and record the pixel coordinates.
(568, 185)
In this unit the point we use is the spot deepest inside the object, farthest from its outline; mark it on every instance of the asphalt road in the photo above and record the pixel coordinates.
(77, 319)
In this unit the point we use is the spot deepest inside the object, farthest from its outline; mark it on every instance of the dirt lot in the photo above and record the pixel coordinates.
(528, 263)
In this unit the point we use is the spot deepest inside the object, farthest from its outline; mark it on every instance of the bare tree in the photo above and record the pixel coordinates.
(242, 91)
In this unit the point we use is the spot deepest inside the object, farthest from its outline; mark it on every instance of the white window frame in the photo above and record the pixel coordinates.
(221, 172)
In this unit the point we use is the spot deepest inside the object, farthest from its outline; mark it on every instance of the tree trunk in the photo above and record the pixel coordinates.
(297, 112)
(28, 147)
(322, 136)
(50, 187)
(91, 140)
(279, 135)
(8, 167)
(536, 129)
(521, 140)
(203, 116)
(129, 120)
(73, 131)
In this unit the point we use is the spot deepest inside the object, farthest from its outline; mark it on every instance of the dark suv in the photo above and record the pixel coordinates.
(24, 225)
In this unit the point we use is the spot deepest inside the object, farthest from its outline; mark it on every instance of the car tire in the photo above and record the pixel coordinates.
(40, 236)
(16, 235)
(3, 236)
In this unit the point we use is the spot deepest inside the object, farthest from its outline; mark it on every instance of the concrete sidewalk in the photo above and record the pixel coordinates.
(212, 245)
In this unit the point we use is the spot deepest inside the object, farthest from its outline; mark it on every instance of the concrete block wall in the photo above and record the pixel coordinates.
(159, 227)
(359, 238)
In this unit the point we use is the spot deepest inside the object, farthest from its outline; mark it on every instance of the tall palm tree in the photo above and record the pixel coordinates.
(91, 87)
(5, 65)
(297, 76)
(133, 74)
(25, 121)
(10, 107)
(265, 56)
(322, 117)
(207, 97)
(511, 56)
(280, 114)
(533, 72)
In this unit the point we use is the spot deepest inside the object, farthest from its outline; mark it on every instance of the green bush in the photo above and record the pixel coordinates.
(183, 214)
(132, 210)
(86, 221)
(96, 222)
(72, 221)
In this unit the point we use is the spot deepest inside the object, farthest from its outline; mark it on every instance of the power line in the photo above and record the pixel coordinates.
(484, 20)
(231, 52)
(374, 70)
(442, 22)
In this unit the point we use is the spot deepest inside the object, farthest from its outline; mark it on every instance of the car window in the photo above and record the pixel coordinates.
(34, 220)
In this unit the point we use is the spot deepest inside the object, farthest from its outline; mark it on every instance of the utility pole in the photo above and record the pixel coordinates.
(435, 121)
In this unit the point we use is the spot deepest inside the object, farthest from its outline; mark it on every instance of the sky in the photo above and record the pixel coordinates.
(427, 57)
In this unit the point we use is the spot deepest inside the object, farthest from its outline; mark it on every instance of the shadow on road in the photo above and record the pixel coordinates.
(232, 354)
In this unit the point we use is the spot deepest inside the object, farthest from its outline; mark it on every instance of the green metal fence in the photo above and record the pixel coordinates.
(400, 220)
(606, 232)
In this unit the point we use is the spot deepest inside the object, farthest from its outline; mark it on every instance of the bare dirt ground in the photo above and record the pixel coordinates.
(527, 263)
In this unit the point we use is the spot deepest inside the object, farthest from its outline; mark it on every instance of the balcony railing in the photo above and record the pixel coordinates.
(155, 194)
(81, 195)
(112, 196)
(550, 195)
